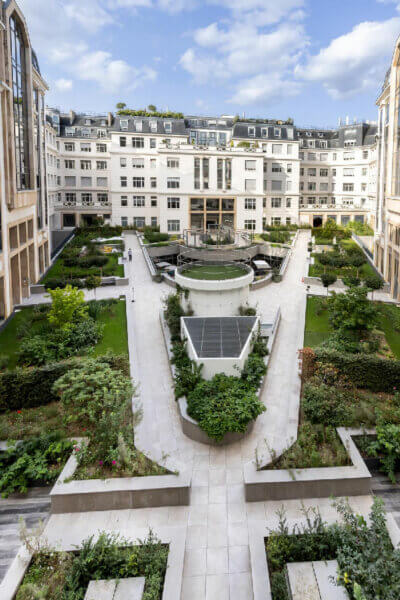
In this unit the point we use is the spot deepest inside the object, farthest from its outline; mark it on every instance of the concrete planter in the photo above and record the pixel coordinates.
(117, 493)
(354, 480)
(105, 281)
(192, 430)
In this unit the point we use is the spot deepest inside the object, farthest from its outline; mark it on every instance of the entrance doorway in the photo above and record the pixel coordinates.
(317, 221)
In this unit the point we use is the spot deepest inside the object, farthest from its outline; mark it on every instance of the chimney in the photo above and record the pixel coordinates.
(110, 118)
(71, 117)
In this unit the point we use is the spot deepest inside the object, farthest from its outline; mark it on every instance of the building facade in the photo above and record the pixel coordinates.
(24, 233)
(387, 218)
(197, 173)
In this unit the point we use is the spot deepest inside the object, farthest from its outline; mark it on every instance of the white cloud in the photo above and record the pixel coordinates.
(64, 85)
(354, 62)
(90, 14)
(112, 75)
(263, 12)
(264, 89)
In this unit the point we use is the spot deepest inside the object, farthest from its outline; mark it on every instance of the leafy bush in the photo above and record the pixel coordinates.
(37, 461)
(92, 282)
(66, 575)
(254, 370)
(365, 371)
(67, 307)
(29, 388)
(352, 311)
(92, 261)
(34, 351)
(325, 404)
(154, 237)
(387, 447)
(173, 314)
(328, 279)
(224, 404)
(97, 395)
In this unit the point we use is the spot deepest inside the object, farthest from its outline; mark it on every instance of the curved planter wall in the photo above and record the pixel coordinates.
(216, 298)
(192, 430)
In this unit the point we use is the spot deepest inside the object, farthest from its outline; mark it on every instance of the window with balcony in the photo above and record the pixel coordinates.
(139, 201)
(138, 182)
(250, 165)
(87, 199)
(250, 203)
(70, 199)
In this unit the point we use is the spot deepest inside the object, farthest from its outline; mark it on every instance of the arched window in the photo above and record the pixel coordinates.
(20, 104)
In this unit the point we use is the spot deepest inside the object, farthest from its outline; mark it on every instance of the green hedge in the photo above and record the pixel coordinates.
(29, 388)
(364, 370)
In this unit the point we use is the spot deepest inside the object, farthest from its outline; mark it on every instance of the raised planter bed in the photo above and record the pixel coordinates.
(354, 480)
(105, 281)
(117, 493)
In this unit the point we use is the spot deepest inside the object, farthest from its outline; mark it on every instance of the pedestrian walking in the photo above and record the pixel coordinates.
(130, 254)
(133, 294)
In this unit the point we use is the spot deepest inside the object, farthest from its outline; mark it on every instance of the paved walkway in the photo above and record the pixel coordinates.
(217, 562)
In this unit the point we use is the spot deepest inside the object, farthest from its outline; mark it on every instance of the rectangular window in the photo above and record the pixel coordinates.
(173, 224)
(86, 181)
(277, 148)
(173, 163)
(288, 202)
(196, 173)
(168, 127)
(323, 156)
(139, 222)
(290, 149)
(153, 126)
(288, 221)
(276, 186)
(137, 142)
(276, 168)
(348, 187)
(138, 182)
(348, 172)
(124, 200)
(138, 163)
(250, 185)
(364, 172)
(348, 155)
(123, 181)
(173, 183)
(363, 187)
(250, 224)
(153, 221)
(70, 199)
(277, 132)
(153, 163)
(365, 154)
(323, 172)
(220, 173)
(124, 221)
(69, 164)
(289, 168)
(101, 148)
(86, 165)
(173, 202)
(101, 165)
(206, 173)
(312, 156)
(333, 172)
(276, 202)
(228, 173)
(323, 187)
(250, 165)
(122, 141)
(154, 201)
(102, 181)
(122, 162)
(312, 186)
(69, 147)
(288, 186)
(124, 124)
(70, 181)
(153, 182)
(252, 131)
(87, 199)
(275, 220)
(86, 147)
(138, 200)
(250, 203)
(153, 143)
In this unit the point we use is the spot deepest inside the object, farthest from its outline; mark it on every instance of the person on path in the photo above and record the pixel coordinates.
(130, 254)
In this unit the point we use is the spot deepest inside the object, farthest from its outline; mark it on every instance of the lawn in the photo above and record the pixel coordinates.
(115, 337)
(214, 272)
(364, 271)
(318, 328)
(59, 270)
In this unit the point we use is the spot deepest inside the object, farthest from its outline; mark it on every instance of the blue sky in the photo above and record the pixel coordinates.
(311, 60)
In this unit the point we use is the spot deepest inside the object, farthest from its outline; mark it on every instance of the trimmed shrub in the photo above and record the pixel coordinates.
(325, 404)
(364, 370)
(29, 388)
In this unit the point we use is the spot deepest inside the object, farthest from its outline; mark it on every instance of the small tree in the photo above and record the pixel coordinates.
(327, 280)
(151, 108)
(352, 312)
(373, 282)
(358, 260)
(121, 105)
(68, 307)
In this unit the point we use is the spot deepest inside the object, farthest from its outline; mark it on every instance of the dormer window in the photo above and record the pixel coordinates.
(138, 125)
(277, 132)
(252, 131)
(153, 126)
(124, 124)
(308, 133)
(103, 123)
(85, 132)
(168, 127)
(69, 131)
(264, 132)
(87, 121)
